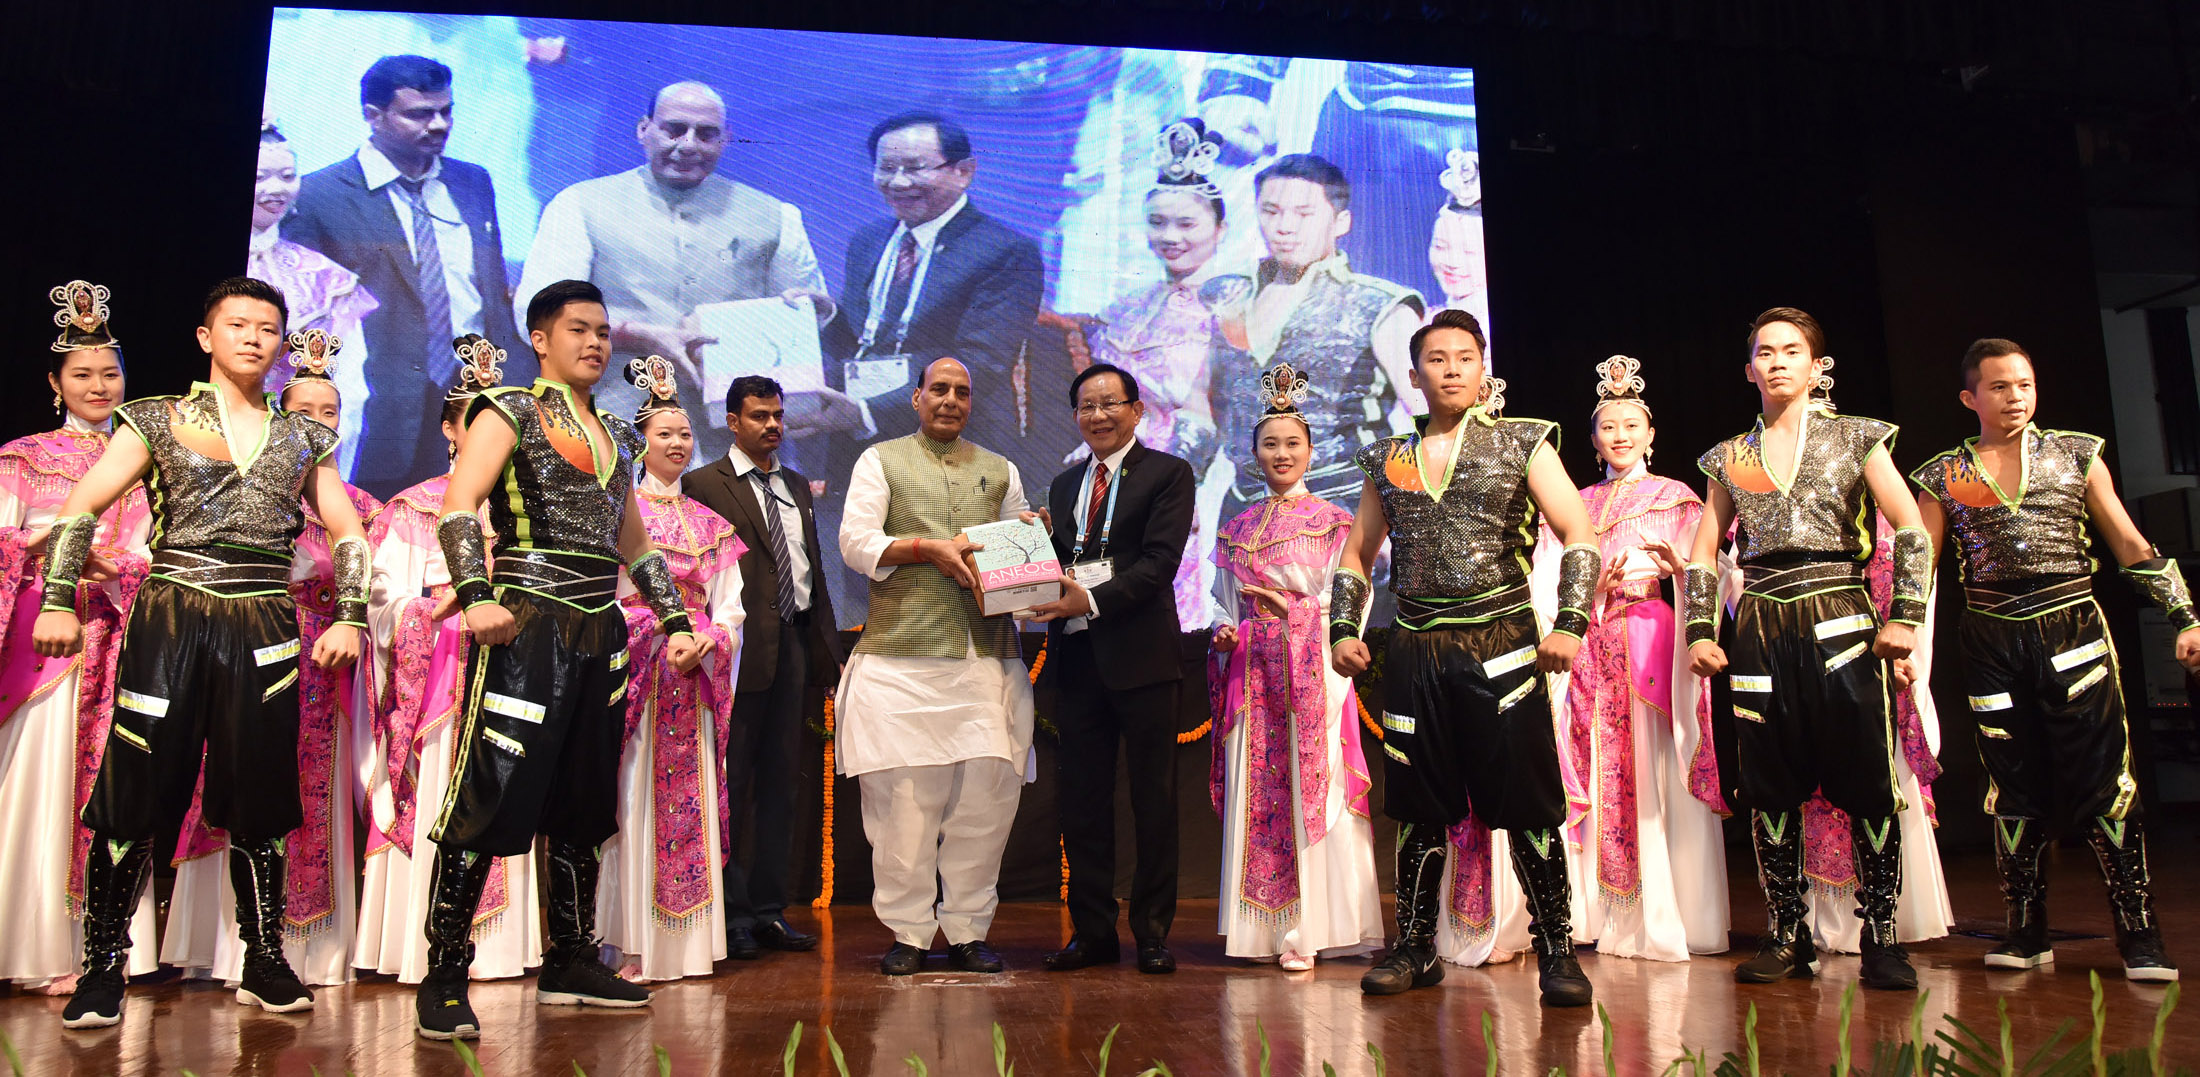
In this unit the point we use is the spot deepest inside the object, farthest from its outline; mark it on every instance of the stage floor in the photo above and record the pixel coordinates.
(1203, 1020)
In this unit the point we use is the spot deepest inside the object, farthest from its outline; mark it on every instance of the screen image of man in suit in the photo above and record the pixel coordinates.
(939, 278)
(669, 236)
(769, 506)
(1120, 525)
(419, 229)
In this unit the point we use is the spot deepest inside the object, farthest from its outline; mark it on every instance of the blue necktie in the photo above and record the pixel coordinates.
(775, 533)
(435, 294)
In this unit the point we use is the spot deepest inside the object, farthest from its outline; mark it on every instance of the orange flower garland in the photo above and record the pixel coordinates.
(824, 899)
(1366, 719)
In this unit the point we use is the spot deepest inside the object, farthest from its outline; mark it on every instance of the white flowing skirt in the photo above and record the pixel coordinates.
(1340, 911)
(626, 907)
(1921, 912)
(1680, 904)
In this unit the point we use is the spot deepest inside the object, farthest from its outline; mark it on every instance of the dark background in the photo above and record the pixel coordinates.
(1910, 171)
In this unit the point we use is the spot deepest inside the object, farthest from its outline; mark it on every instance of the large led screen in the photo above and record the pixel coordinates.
(837, 210)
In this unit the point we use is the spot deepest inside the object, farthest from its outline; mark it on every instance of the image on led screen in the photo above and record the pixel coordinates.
(1028, 209)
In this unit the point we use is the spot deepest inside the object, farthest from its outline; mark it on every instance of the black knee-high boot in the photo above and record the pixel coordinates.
(114, 877)
(1539, 859)
(256, 877)
(2017, 847)
(572, 972)
(1786, 949)
(1878, 850)
(2122, 849)
(441, 1009)
(1412, 961)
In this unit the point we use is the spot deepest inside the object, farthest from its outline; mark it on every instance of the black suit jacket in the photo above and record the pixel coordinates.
(979, 302)
(1134, 640)
(359, 229)
(735, 499)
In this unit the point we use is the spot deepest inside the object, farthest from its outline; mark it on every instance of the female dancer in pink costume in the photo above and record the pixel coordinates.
(420, 652)
(54, 712)
(661, 902)
(1289, 778)
(1651, 878)
(321, 883)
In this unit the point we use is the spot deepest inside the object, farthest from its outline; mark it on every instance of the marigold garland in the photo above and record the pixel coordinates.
(824, 899)
(1058, 847)
(1366, 719)
(1204, 728)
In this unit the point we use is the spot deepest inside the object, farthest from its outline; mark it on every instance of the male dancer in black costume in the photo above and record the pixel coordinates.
(209, 666)
(1807, 678)
(546, 682)
(1467, 717)
(2039, 667)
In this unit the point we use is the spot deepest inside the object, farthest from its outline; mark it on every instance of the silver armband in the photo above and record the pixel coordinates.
(1700, 604)
(1577, 587)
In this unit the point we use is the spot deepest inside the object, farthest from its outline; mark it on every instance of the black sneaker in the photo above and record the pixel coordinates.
(2145, 961)
(440, 1009)
(1777, 961)
(270, 984)
(1403, 969)
(581, 980)
(1887, 968)
(97, 1002)
(2020, 952)
(1562, 981)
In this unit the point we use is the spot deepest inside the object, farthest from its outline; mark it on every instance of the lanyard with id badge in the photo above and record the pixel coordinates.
(1091, 574)
(867, 375)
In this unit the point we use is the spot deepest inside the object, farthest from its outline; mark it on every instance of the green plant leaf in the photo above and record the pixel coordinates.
(472, 1064)
(840, 1061)
(1749, 1037)
(1261, 1030)
(15, 1061)
(2161, 1028)
(917, 1064)
(1842, 1053)
(2008, 1039)
(1605, 1020)
(1489, 1044)
(1376, 1053)
(2100, 1022)
(664, 1061)
(1000, 1053)
(1917, 1027)
(1107, 1047)
(1328, 1070)
(786, 1057)
(578, 1072)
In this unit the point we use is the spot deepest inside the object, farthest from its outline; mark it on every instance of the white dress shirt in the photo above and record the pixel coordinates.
(454, 241)
(1092, 541)
(790, 521)
(895, 711)
(881, 287)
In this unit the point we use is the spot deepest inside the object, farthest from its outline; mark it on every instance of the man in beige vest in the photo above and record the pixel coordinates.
(934, 711)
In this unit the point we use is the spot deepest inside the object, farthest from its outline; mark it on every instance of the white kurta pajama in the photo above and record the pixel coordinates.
(940, 746)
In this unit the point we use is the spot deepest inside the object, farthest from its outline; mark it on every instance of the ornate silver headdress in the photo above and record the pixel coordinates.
(1619, 381)
(82, 316)
(1821, 390)
(1282, 389)
(480, 367)
(1187, 157)
(1462, 180)
(653, 375)
(315, 351)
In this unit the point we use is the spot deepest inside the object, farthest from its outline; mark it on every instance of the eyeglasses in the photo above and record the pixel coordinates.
(1106, 407)
(890, 173)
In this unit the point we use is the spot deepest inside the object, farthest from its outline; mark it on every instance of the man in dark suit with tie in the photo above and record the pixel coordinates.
(788, 644)
(1121, 522)
(420, 231)
(939, 278)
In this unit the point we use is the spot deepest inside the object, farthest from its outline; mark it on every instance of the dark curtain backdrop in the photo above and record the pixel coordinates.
(1657, 172)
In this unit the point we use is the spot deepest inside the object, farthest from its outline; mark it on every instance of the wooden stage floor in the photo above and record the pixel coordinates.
(1200, 1021)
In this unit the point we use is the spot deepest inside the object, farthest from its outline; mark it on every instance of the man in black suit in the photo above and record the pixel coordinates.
(788, 644)
(939, 278)
(1121, 524)
(420, 231)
